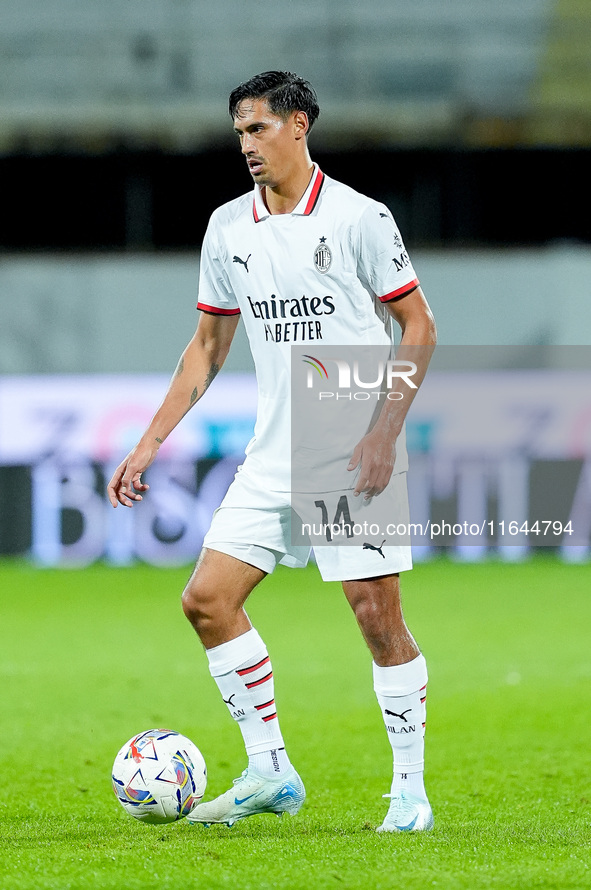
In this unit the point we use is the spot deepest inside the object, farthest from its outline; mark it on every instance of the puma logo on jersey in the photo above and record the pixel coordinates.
(242, 262)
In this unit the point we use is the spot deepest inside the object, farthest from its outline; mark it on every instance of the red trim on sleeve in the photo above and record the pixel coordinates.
(401, 291)
(215, 310)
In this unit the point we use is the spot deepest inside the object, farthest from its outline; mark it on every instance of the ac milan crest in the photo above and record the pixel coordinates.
(323, 256)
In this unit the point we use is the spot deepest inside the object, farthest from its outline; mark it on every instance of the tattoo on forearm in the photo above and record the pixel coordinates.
(180, 367)
(211, 374)
(159, 440)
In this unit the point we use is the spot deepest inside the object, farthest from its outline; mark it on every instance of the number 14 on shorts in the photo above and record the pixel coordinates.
(338, 518)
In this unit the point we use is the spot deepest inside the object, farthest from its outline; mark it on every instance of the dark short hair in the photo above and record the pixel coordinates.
(285, 93)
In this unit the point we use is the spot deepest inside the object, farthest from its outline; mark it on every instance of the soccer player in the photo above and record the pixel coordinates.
(266, 257)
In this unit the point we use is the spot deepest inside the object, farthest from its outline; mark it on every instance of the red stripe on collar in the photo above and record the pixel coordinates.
(315, 189)
(314, 193)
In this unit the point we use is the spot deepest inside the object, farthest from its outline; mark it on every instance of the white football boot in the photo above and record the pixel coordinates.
(250, 795)
(407, 812)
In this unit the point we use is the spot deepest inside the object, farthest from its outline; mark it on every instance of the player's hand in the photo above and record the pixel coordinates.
(126, 483)
(375, 454)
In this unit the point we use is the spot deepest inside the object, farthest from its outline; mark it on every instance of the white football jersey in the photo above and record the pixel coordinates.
(315, 277)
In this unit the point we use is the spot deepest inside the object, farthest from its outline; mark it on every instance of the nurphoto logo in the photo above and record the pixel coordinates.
(348, 375)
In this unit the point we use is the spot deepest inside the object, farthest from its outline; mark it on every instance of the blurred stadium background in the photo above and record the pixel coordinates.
(471, 119)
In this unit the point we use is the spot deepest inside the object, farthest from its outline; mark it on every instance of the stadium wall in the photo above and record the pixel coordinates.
(499, 448)
(135, 313)
(87, 345)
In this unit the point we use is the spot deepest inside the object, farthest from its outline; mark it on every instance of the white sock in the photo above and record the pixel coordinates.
(271, 763)
(401, 692)
(243, 673)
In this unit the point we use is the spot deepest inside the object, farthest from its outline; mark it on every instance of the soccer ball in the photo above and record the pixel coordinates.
(159, 776)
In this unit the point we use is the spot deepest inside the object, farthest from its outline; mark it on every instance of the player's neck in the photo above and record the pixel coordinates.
(285, 197)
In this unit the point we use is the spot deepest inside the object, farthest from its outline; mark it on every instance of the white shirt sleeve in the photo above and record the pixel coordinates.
(383, 265)
(215, 293)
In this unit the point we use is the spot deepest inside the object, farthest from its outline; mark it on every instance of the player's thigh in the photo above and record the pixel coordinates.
(219, 583)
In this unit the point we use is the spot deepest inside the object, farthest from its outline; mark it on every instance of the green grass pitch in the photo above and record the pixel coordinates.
(88, 658)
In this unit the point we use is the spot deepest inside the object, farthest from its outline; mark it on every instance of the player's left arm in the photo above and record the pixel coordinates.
(376, 452)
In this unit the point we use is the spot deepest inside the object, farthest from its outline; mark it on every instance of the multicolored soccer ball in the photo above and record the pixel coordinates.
(159, 776)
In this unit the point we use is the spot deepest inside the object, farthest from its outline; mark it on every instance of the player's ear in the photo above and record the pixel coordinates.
(301, 124)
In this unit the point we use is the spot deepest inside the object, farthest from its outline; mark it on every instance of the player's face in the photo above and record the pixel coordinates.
(268, 141)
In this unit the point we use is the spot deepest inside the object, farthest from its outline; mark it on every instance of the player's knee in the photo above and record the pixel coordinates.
(197, 605)
(368, 614)
(378, 617)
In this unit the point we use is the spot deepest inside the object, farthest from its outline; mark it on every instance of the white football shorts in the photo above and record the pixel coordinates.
(352, 538)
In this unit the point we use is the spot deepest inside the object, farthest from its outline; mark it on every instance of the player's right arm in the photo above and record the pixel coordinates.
(197, 367)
